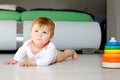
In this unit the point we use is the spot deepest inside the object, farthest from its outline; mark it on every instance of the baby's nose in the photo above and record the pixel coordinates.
(39, 34)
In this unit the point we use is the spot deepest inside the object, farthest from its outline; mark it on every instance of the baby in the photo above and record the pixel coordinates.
(39, 49)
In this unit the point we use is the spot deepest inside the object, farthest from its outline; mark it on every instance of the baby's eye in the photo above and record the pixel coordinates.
(45, 32)
(36, 30)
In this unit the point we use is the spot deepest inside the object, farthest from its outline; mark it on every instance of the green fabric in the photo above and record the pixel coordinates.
(10, 15)
(56, 15)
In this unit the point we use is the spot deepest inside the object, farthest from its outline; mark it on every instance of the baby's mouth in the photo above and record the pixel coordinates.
(38, 39)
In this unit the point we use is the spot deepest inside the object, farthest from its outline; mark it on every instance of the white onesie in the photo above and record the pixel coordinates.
(45, 56)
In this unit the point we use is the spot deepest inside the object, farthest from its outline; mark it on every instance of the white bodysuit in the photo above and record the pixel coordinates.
(44, 56)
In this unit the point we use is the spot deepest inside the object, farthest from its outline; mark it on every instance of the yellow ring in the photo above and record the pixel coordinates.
(112, 51)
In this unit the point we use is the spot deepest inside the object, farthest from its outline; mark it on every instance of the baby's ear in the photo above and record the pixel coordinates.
(52, 36)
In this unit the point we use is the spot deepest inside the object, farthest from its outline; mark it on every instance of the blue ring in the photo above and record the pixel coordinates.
(112, 44)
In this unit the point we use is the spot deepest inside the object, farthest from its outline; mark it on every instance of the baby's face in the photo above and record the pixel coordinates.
(40, 35)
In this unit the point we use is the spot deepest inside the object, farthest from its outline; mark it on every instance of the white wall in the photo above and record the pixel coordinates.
(97, 7)
(113, 19)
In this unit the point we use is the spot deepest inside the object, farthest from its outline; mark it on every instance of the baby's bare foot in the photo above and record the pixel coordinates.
(71, 53)
(75, 56)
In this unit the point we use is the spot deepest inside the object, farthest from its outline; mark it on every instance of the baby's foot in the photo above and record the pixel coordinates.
(75, 56)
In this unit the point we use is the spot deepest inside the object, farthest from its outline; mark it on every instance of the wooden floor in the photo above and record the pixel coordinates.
(88, 67)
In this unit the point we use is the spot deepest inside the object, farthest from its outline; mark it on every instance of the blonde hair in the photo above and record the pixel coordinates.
(43, 21)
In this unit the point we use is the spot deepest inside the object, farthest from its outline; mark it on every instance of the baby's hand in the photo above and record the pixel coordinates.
(28, 63)
(11, 62)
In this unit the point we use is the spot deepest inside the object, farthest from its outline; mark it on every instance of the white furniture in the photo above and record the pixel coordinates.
(75, 35)
(8, 35)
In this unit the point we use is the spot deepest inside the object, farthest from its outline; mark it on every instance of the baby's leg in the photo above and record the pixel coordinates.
(62, 56)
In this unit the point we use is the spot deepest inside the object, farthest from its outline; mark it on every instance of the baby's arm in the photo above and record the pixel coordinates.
(18, 56)
(29, 62)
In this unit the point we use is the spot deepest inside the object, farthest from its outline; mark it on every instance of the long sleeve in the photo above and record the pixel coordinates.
(20, 54)
(22, 51)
